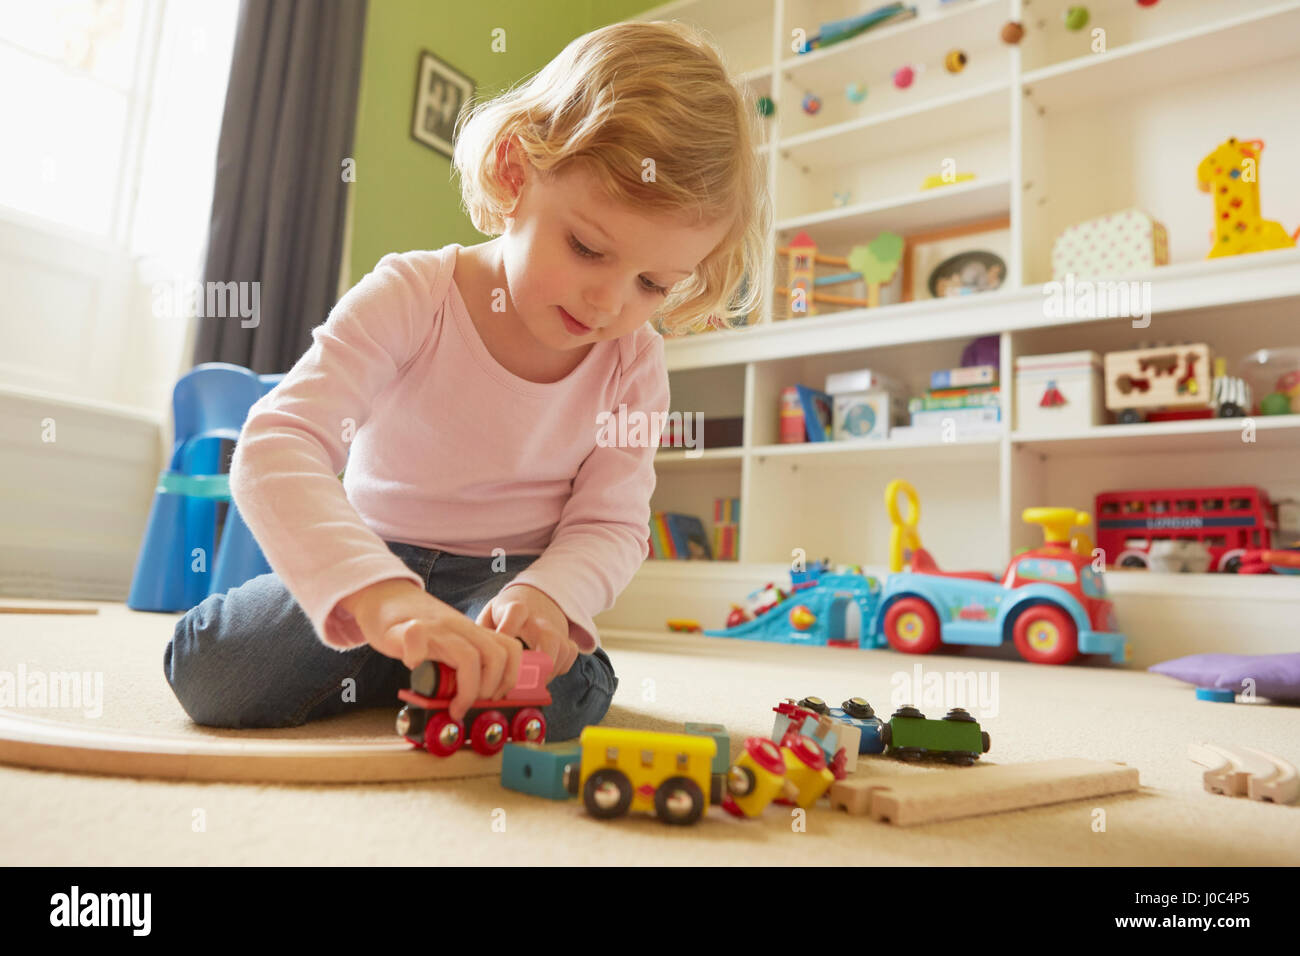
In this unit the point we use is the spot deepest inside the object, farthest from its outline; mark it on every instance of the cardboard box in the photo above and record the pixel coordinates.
(870, 414)
(1058, 392)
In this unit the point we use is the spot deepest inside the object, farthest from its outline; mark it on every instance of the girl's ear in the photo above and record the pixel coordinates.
(509, 169)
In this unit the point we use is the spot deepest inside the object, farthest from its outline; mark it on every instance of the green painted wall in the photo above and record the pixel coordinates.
(404, 195)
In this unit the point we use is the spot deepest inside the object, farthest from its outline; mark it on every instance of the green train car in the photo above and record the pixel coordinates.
(957, 738)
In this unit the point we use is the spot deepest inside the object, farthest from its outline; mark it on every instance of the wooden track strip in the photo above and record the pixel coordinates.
(43, 609)
(78, 748)
(976, 791)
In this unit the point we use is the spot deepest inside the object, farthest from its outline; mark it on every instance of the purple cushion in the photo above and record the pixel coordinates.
(1276, 676)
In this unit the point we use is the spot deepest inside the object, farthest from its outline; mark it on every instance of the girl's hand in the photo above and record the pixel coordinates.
(403, 621)
(522, 611)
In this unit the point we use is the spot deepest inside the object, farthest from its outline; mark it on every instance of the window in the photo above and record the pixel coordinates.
(119, 116)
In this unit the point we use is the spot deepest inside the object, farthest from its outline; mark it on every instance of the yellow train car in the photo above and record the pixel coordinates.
(668, 775)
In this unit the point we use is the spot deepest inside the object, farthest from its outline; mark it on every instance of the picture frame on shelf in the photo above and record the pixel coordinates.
(442, 93)
(957, 260)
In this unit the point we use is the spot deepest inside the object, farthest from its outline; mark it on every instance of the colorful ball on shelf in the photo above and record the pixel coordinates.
(812, 104)
(903, 77)
(1012, 32)
(1076, 17)
(765, 106)
(955, 61)
(856, 92)
(801, 617)
(1276, 403)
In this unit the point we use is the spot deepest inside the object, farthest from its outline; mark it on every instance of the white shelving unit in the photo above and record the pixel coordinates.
(1055, 133)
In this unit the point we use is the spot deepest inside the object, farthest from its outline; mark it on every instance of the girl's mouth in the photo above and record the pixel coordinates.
(572, 324)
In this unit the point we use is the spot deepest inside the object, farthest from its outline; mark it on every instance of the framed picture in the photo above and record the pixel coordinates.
(441, 92)
(958, 260)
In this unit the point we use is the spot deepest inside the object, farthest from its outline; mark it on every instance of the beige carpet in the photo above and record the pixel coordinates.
(1042, 713)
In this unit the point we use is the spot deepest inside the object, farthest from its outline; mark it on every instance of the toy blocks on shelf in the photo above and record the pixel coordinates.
(536, 770)
(722, 759)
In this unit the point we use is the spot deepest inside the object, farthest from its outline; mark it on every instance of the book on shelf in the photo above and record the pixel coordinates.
(981, 398)
(678, 536)
(959, 416)
(726, 511)
(969, 375)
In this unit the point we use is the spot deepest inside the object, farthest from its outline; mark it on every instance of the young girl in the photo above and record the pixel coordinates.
(480, 510)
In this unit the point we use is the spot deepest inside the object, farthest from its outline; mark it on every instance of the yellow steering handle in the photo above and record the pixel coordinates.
(1056, 522)
(904, 539)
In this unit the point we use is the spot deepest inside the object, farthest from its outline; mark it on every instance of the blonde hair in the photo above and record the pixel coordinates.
(611, 100)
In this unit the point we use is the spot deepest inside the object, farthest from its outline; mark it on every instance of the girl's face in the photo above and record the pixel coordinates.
(581, 269)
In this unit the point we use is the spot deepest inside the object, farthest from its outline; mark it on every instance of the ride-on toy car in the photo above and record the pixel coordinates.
(1050, 602)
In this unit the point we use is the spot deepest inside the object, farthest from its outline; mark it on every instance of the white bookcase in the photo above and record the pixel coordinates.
(1055, 134)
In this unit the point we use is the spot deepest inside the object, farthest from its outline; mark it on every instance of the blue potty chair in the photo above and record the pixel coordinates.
(177, 567)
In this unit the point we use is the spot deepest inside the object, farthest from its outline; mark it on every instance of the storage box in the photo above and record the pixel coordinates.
(1118, 244)
(1058, 392)
(867, 414)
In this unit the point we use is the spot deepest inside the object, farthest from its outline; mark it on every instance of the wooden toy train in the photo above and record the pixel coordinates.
(426, 722)
(1173, 382)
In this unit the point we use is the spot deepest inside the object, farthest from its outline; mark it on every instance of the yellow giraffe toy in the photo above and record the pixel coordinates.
(1238, 227)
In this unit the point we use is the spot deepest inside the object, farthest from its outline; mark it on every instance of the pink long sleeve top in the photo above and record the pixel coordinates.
(445, 449)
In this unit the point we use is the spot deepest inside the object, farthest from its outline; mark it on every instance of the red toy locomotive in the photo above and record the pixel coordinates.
(425, 722)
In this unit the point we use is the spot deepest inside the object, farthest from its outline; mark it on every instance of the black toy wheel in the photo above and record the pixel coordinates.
(411, 721)
(961, 714)
(907, 710)
(961, 758)
(858, 708)
(815, 704)
(425, 679)
(1132, 561)
(886, 735)
(740, 781)
(910, 753)
(984, 739)
(1130, 416)
(1231, 410)
(679, 801)
(607, 794)
(1231, 565)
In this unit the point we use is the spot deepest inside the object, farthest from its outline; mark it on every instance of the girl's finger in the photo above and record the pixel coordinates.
(513, 619)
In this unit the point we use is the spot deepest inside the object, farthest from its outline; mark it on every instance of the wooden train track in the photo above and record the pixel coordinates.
(80, 748)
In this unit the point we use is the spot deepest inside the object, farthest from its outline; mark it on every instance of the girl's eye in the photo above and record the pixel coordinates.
(586, 253)
(651, 287)
(582, 250)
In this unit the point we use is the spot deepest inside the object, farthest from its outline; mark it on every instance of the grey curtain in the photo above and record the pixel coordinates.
(279, 200)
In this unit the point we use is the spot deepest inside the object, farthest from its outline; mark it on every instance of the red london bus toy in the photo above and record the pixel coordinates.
(1233, 523)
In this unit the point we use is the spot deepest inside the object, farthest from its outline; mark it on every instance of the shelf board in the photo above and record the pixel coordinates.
(977, 111)
(1206, 435)
(914, 39)
(684, 457)
(1185, 587)
(844, 454)
(1232, 280)
(914, 212)
(1119, 583)
(1224, 46)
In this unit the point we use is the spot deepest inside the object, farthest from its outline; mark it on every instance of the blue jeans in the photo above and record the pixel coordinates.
(250, 657)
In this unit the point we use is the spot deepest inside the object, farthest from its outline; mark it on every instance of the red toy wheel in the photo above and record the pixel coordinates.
(1045, 634)
(442, 735)
(488, 734)
(529, 726)
(912, 626)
